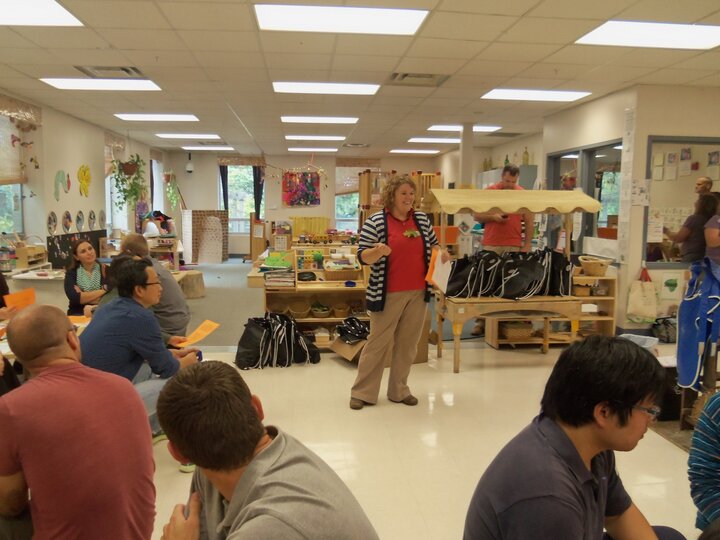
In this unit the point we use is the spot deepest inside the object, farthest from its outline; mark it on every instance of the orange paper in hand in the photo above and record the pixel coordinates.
(21, 299)
(200, 333)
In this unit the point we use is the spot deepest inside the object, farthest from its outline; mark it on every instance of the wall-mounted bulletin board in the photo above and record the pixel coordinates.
(59, 246)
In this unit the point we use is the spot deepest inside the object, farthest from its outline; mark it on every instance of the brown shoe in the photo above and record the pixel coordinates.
(409, 400)
(356, 404)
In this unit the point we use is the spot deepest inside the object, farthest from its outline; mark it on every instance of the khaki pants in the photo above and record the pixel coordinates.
(500, 250)
(397, 327)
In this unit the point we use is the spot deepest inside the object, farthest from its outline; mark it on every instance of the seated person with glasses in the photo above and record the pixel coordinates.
(557, 479)
(124, 336)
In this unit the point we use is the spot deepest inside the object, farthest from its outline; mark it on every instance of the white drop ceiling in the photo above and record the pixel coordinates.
(211, 60)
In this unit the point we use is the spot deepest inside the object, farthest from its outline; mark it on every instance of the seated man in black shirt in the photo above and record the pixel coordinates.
(556, 479)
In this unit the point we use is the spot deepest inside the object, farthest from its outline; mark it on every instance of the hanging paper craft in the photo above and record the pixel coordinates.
(83, 176)
(67, 221)
(61, 180)
(51, 223)
(91, 220)
(80, 220)
(101, 219)
(301, 188)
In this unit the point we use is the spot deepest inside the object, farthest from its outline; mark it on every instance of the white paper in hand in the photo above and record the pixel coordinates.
(441, 274)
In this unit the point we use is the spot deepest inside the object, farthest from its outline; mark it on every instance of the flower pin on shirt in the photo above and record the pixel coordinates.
(411, 234)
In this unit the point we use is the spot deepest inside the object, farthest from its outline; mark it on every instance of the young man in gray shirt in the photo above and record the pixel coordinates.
(557, 479)
(252, 481)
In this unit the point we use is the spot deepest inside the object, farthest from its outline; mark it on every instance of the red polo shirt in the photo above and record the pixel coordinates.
(406, 262)
(508, 233)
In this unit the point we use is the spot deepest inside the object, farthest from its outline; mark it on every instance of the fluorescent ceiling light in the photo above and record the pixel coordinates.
(314, 138)
(325, 88)
(653, 34)
(299, 149)
(517, 94)
(476, 129)
(440, 140)
(409, 151)
(215, 148)
(197, 136)
(36, 13)
(618, 147)
(103, 84)
(131, 117)
(340, 20)
(570, 156)
(600, 155)
(318, 120)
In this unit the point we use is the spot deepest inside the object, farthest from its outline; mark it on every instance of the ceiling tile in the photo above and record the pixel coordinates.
(445, 48)
(117, 14)
(456, 93)
(63, 38)
(209, 16)
(708, 60)
(713, 80)
(10, 73)
(402, 91)
(478, 67)
(517, 52)
(9, 38)
(399, 4)
(489, 7)
(91, 57)
(350, 76)
(234, 74)
(653, 57)
(572, 9)
(37, 71)
(674, 76)
(297, 42)
(27, 56)
(543, 30)
(168, 59)
(555, 71)
(372, 45)
(474, 81)
(229, 59)
(351, 62)
(206, 40)
(162, 74)
(465, 26)
(614, 74)
(297, 61)
(669, 11)
(135, 39)
(440, 66)
(533, 83)
(587, 54)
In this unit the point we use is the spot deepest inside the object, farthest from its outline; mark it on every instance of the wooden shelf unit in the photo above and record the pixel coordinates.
(605, 323)
(30, 256)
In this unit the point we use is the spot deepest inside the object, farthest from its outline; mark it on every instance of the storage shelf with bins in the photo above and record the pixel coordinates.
(603, 321)
(327, 292)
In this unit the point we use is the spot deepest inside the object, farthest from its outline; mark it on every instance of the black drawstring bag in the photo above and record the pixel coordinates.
(665, 329)
(352, 330)
(561, 270)
(274, 341)
(519, 274)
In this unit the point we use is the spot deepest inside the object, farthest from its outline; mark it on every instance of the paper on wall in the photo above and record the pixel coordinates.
(655, 226)
(685, 168)
(657, 173)
(713, 171)
(670, 172)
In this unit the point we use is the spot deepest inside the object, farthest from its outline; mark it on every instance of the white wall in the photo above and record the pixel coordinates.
(514, 151)
(449, 165)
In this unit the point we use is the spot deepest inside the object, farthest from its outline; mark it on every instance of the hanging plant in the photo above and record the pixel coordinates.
(171, 189)
(129, 181)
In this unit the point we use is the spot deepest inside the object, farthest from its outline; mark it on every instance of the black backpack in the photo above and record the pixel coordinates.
(274, 341)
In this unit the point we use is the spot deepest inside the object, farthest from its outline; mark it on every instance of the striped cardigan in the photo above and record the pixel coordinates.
(704, 464)
(374, 230)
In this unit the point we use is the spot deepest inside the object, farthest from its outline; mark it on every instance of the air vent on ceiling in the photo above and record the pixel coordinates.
(111, 72)
(503, 134)
(417, 79)
(355, 145)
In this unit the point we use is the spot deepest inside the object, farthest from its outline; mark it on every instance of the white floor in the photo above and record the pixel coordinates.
(413, 469)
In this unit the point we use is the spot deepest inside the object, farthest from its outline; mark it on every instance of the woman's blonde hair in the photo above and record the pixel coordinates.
(392, 185)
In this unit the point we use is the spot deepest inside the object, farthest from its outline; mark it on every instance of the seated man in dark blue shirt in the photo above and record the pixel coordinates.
(124, 336)
(556, 479)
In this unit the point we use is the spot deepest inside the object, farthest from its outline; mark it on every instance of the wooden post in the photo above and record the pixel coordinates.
(568, 233)
(443, 226)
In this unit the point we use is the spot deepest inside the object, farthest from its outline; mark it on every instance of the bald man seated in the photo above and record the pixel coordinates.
(172, 311)
(75, 437)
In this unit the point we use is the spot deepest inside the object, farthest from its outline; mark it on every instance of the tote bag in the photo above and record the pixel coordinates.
(642, 300)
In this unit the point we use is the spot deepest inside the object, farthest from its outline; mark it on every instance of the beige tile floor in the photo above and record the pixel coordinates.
(414, 469)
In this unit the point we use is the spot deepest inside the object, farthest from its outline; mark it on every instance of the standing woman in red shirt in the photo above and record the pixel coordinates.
(397, 243)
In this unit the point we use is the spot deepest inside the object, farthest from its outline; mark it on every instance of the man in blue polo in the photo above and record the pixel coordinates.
(557, 479)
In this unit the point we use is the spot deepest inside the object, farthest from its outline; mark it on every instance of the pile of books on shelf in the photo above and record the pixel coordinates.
(280, 278)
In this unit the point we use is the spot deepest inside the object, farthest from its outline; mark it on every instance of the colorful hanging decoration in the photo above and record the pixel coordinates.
(301, 188)
(34, 161)
(61, 180)
(83, 176)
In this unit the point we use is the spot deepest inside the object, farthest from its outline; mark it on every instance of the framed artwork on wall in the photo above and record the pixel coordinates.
(300, 189)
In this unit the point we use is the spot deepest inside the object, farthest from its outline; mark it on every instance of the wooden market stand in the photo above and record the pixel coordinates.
(547, 308)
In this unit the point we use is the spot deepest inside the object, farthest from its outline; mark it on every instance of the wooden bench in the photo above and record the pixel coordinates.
(191, 282)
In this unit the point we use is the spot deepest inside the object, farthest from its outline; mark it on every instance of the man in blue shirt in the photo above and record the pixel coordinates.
(124, 336)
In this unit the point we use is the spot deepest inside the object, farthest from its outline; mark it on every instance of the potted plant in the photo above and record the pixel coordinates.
(128, 179)
(171, 188)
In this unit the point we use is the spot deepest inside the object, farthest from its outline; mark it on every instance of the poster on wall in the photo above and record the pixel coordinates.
(685, 154)
(671, 287)
(672, 158)
(713, 158)
(685, 168)
(300, 188)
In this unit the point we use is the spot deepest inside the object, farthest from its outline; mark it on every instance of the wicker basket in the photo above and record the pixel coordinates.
(593, 266)
(320, 313)
(340, 275)
(341, 311)
(299, 309)
(517, 330)
(581, 290)
(277, 308)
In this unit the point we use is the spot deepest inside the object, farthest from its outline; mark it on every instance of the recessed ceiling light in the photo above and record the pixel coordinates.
(132, 117)
(103, 84)
(215, 148)
(197, 136)
(476, 128)
(341, 20)
(325, 88)
(439, 140)
(518, 94)
(653, 34)
(36, 13)
(318, 120)
(410, 151)
(314, 138)
(570, 156)
(618, 147)
(300, 149)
